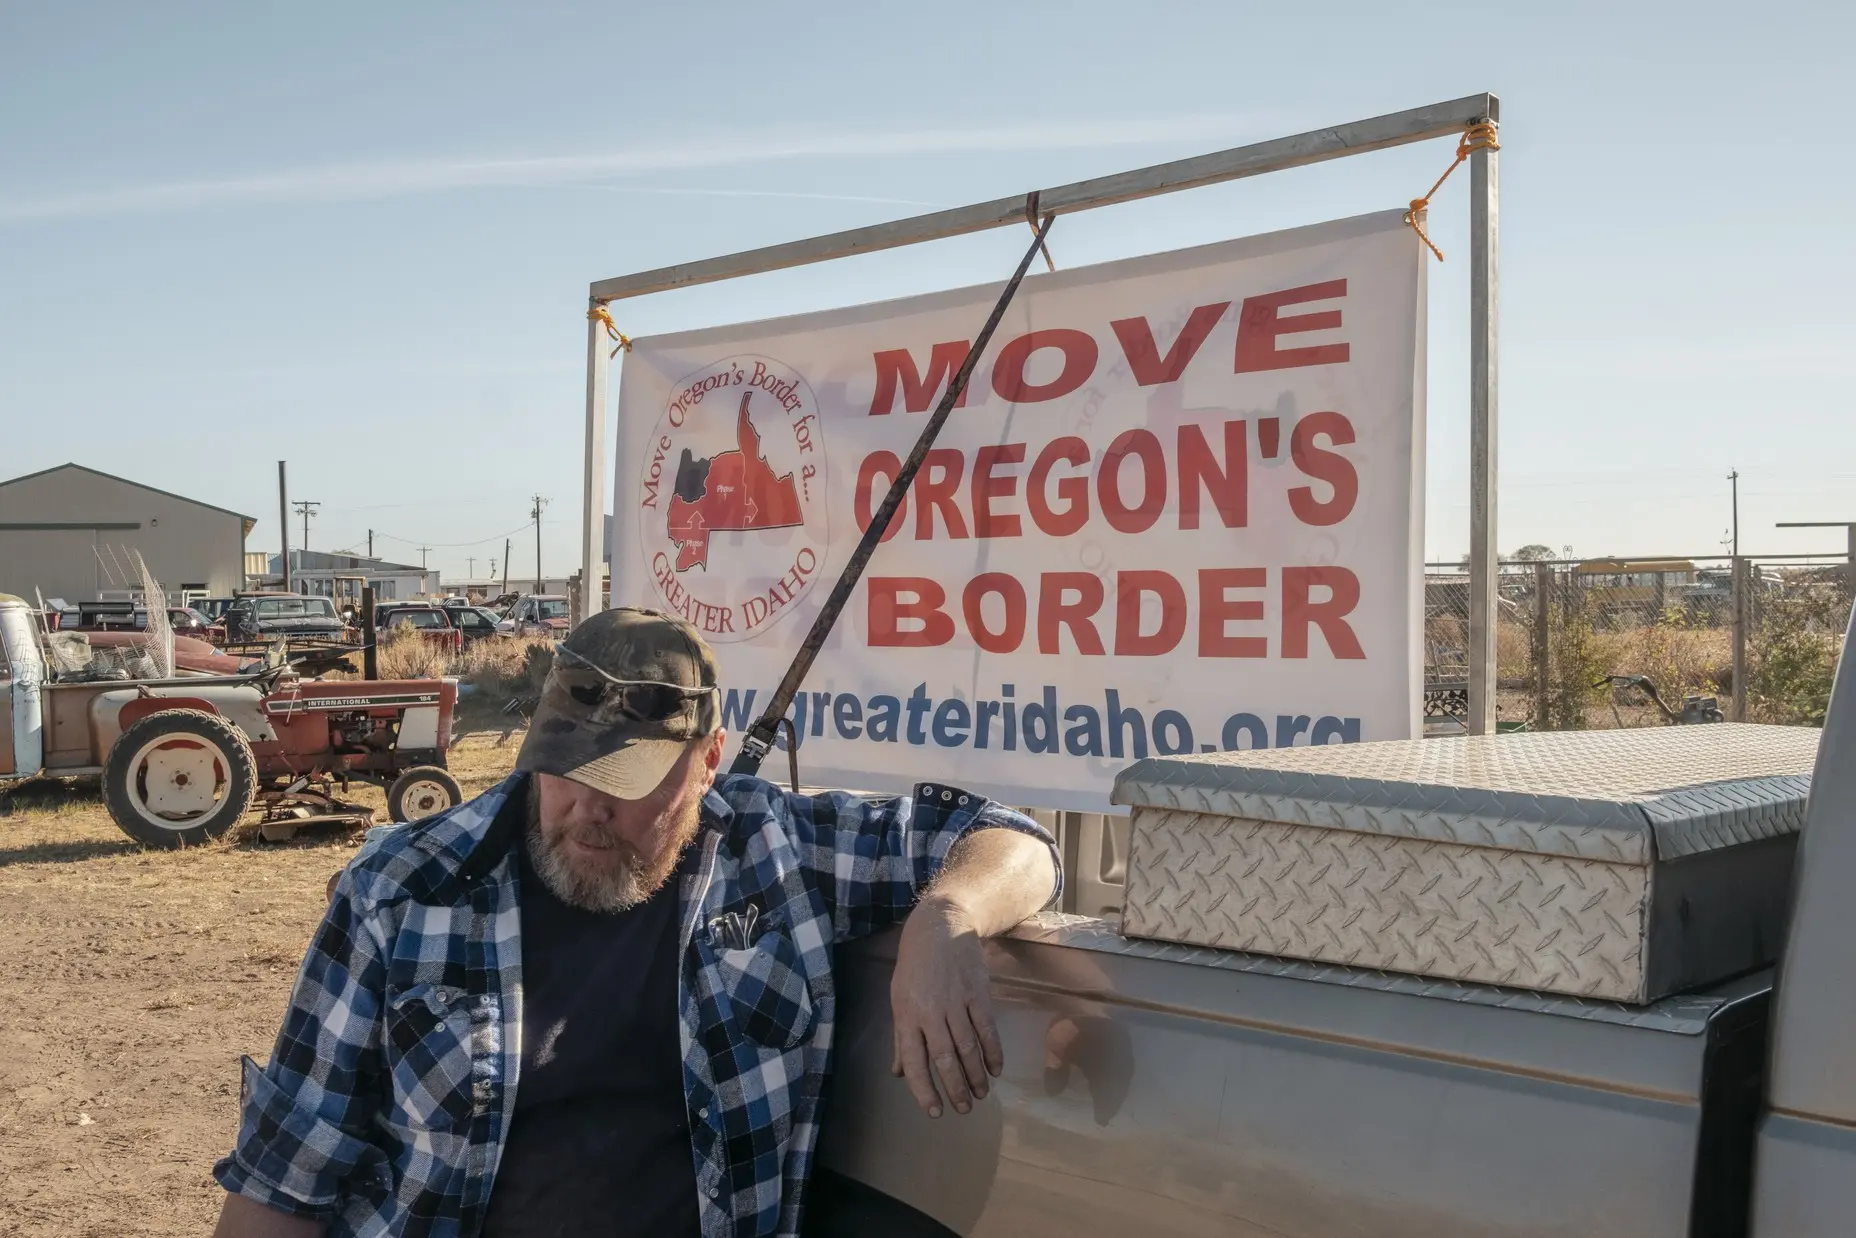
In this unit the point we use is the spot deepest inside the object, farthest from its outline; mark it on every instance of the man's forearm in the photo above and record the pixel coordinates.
(993, 879)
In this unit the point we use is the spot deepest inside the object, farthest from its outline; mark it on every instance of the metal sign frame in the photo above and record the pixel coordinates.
(1277, 155)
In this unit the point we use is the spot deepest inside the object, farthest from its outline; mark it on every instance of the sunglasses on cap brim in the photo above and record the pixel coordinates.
(644, 700)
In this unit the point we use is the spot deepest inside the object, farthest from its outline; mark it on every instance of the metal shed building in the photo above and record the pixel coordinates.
(59, 526)
(314, 571)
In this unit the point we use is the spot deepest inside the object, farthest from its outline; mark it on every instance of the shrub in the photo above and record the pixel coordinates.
(1679, 658)
(404, 653)
(1577, 657)
(1792, 656)
(503, 668)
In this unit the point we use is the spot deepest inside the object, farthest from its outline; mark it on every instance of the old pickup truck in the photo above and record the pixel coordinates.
(1492, 987)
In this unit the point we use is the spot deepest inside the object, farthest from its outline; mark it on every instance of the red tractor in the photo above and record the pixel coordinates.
(184, 757)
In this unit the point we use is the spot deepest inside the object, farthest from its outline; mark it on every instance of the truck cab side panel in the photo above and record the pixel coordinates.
(1146, 1096)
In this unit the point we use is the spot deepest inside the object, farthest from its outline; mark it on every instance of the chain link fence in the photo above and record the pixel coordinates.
(1600, 643)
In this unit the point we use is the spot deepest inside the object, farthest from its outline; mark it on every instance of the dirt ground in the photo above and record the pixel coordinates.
(130, 983)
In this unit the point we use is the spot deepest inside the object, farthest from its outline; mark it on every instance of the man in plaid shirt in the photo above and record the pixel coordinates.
(598, 998)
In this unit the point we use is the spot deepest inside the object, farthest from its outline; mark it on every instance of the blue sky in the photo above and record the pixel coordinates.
(358, 237)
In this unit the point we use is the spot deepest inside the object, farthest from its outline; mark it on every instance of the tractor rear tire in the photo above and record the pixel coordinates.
(179, 778)
(421, 792)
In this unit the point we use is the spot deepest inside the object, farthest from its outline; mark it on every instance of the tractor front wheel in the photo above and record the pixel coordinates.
(179, 778)
(421, 792)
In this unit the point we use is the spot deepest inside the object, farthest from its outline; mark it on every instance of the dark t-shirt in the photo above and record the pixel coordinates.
(599, 1144)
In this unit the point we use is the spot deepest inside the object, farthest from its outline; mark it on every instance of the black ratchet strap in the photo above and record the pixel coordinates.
(759, 740)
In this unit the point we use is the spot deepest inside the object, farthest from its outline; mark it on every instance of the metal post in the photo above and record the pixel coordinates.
(283, 522)
(1277, 155)
(593, 531)
(1737, 709)
(1543, 636)
(1734, 477)
(1849, 532)
(1484, 408)
(537, 514)
(370, 657)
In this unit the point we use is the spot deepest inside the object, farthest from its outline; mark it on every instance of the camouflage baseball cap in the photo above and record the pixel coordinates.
(629, 691)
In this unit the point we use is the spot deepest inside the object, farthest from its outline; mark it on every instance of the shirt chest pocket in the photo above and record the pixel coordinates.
(765, 984)
(429, 1034)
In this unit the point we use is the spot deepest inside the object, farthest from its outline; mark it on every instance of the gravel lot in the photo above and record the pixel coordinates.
(131, 982)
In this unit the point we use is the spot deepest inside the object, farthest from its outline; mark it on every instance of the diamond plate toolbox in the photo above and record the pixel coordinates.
(1621, 865)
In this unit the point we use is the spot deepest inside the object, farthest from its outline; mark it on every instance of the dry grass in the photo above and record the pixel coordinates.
(499, 669)
(506, 667)
(1677, 658)
(405, 653)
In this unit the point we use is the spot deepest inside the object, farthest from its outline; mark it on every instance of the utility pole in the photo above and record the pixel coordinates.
(306, 508)
(1734, 477)
(283, 522)
(370, 543)
(505, 565)
(422, 551)
(536, 516)
(470, 568)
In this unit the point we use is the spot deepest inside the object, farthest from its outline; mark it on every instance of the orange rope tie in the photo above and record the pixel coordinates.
(600, 313)
(1479, 136)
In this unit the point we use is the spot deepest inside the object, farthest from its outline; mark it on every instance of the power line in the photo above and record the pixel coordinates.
(414, 542)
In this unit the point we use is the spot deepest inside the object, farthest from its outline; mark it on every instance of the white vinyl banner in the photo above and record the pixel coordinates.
(1179, 510)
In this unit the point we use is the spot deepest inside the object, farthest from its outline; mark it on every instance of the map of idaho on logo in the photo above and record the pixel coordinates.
(732, 490)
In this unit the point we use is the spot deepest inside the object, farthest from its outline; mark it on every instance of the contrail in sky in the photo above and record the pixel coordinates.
(768, 193)
(393, 178)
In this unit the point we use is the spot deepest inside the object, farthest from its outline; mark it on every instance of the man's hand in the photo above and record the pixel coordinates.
(943, 1009)
(939, 992)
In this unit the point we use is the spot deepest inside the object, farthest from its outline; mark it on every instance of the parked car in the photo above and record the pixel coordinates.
(128, 617)
(475, 622)
(537, 614)
(213, 608)
(291, 615)
(433, 622)
(188, 621)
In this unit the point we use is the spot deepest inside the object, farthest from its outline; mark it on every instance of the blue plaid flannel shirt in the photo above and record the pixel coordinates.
(388, 1095)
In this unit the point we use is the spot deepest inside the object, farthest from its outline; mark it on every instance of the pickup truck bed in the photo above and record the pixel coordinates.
(1298, 1099)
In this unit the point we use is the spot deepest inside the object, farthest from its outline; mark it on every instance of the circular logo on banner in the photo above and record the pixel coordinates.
(732, 497)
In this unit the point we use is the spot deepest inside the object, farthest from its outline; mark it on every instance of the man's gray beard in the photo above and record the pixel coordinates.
(595, 891)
